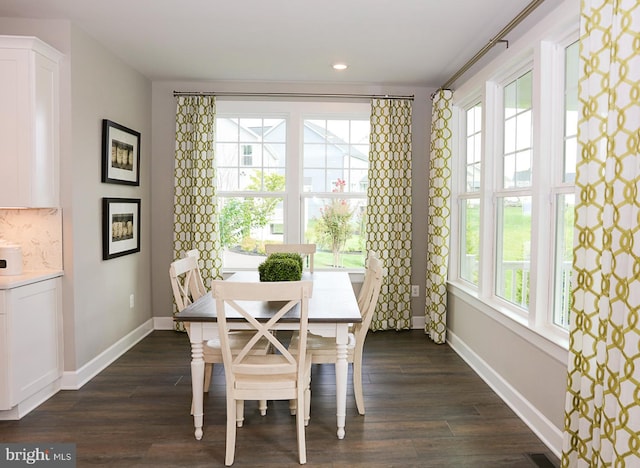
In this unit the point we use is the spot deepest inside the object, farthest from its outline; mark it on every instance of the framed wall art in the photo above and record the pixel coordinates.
(120, 227)
(120, 154)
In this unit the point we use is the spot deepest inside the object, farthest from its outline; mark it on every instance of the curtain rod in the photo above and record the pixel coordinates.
(293, 95)
(499, 38)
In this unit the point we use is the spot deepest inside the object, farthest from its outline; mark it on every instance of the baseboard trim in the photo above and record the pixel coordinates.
(74, 380)
(550, 435)
(29, 404)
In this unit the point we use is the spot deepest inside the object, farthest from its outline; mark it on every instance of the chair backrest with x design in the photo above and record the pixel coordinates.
(186, 281)
(281, 298)
(280, 375)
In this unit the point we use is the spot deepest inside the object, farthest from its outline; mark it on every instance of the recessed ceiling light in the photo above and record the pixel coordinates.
(339, 66)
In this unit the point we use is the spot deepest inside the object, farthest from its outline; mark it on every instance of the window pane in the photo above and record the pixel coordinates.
(564, 259)
(245, 225)
(243, 159)
(474, 148)
(513, 248)
(341, 148)
(470, 240)
(337, 226)
(517, 131)
(571, 111)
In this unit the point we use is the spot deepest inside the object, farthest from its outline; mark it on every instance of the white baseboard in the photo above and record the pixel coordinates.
(550, 435)
(417, 323)
(74, 380)
(31, 403)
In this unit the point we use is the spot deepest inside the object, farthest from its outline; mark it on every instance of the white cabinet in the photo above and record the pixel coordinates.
(31, 350)
(29, 123)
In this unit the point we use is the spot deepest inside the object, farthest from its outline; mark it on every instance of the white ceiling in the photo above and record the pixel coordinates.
(392, 42)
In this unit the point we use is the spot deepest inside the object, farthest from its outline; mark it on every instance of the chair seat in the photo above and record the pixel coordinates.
(323, 346)
(237, 340)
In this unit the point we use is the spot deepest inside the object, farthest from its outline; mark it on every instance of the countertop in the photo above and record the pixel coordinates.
(28, 277)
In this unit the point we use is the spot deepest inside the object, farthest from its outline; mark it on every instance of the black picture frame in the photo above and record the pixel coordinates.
(120, 154)
(120, 227)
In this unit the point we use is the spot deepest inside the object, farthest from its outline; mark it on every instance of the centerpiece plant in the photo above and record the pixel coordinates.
(281, 267)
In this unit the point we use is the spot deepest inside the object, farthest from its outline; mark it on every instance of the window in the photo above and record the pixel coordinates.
(470, 199)
(292, 172)
(513, 198)
(564, 192)
(515, 190)
(335, 165)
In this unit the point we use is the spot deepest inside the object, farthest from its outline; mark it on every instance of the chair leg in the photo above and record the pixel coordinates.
(357, 384)
(302, 446)
(208, 370)
(293, 407)
(231, 431)
(262, 406)
(239, 413)
(307, 406)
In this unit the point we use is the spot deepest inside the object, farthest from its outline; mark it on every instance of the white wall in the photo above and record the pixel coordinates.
(164, 107)
(95, 85)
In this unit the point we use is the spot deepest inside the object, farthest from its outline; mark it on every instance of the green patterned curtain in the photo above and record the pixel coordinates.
(195, 224)
(602, 413)
(389, 209)
(438, 218)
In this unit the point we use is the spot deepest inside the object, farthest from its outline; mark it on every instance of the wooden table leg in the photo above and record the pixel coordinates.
(197, 384)
(341, 379)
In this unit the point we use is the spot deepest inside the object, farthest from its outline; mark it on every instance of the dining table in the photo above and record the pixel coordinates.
(332, 308)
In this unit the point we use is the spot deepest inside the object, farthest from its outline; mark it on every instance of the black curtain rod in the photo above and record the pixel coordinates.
(293, 95)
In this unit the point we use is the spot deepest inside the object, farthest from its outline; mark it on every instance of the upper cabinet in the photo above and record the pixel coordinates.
(29, 123)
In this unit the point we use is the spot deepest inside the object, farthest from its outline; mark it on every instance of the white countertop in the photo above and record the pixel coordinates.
(28, 277)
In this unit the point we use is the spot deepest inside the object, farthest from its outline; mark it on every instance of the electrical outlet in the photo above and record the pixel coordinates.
(415, 290)
(131, 301)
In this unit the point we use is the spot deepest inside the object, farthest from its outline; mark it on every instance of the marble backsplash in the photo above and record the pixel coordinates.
(39, 232)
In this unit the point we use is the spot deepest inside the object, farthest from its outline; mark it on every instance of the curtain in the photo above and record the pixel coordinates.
(389, 209)
(602, 412)
(438, 218)
(195, 224)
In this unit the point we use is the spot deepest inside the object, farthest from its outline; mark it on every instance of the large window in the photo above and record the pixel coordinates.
(515, 191)
(470, 198)
(335, 165)
(292, 172)
(564, 192)
(513, 195)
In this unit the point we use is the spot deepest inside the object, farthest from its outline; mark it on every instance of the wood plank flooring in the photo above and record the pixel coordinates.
(424, 408)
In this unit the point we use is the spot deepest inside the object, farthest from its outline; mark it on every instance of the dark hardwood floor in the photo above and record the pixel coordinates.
(425, 408)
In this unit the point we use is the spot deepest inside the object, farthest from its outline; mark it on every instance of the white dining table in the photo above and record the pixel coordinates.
(332, 308)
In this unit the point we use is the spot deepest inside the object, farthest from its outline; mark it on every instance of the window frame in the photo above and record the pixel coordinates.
(546, 60)
(294, 113)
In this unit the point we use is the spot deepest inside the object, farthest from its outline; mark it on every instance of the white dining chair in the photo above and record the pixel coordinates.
(281, 375)
(323, 349)
(305, 250)
(188, 286)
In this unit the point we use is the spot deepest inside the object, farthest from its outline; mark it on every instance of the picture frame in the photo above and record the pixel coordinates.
(120, 227)
(120, 154)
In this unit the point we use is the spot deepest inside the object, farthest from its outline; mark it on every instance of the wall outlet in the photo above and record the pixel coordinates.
(415, 290)
(131, 301)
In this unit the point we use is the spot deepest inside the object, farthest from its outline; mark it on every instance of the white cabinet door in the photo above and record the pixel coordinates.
(33, 328)
(4, 356)
(29, 123)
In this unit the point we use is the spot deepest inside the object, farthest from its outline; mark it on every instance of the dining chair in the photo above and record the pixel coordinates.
(323, 349)
(281, 375)
(306, 250)
(188, 286)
